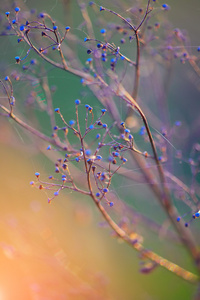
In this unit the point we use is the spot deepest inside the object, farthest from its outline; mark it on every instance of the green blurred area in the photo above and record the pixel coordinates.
(58, 250)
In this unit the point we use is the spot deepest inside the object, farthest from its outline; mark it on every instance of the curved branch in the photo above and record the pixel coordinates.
(174, 268)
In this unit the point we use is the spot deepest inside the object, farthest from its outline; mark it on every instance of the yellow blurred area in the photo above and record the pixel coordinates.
(46, 250)
(58, 251)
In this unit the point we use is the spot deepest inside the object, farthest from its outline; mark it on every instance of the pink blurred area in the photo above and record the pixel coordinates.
(47, 251)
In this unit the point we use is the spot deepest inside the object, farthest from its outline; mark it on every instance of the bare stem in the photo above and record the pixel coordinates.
(186, 275)
(165, 201)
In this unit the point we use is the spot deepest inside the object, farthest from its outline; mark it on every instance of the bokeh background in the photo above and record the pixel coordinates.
(60, 251)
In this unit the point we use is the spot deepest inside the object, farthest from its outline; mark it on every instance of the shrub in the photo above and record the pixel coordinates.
(121, 131)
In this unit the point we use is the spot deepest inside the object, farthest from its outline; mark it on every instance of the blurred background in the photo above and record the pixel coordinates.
(63, 250)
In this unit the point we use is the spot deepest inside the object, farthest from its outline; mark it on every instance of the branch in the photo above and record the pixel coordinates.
(35, 132)
(186, 275)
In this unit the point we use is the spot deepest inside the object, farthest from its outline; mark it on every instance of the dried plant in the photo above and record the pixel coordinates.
(97, 144)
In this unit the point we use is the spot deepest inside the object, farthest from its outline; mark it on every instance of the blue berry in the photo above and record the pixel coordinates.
(57, 110)
(130, 137)
(41, 15)
(17, 58)
(98, 194)
(98, 136)
(165, 6)
(77, 101)
(142, 130)
(67, 28)
(91, 127)
(103, 110)
(124, 159)
(49, 147)
(105, 190)
(21, 28)
(7, 13)
(110, 158)
(178, 123)
(103, 31)
(99, 157)
(111, 204)
(105, 125)
(88, 152)
(17, 9)
(116, 154)
(33, 62)
(101, 8)
(37, 174)
(55, 27)
(71, 122)
(56, 193)
(57, 170)
(127, 130)
(82, 80)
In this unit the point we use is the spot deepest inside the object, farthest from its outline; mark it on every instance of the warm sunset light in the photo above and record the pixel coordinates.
(99, 150)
